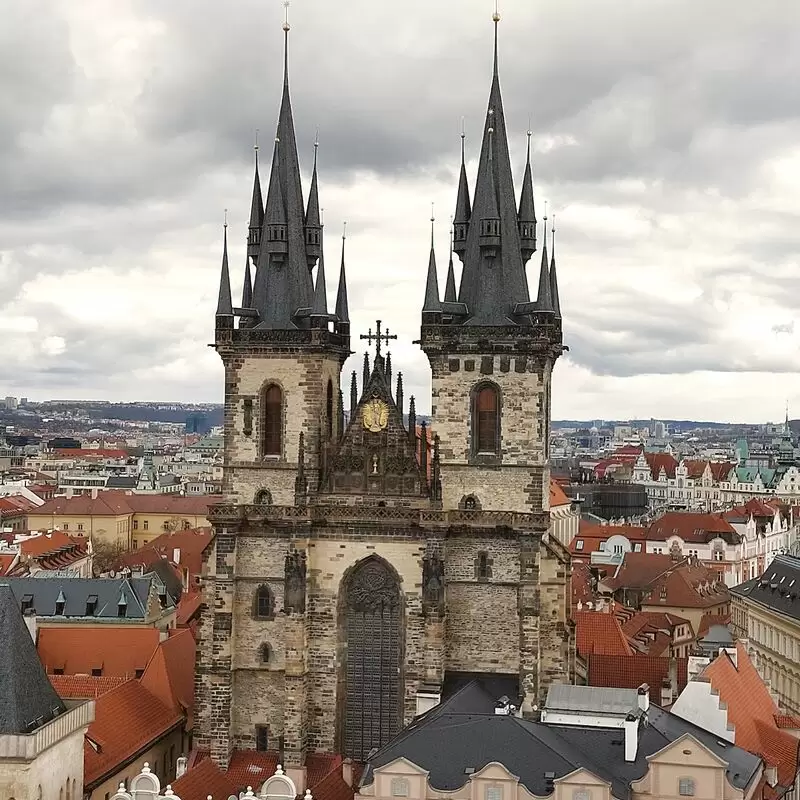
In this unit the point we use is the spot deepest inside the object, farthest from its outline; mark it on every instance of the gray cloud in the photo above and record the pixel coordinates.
(657, 127)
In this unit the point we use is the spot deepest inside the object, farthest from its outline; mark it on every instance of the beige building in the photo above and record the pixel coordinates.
(766, 612)
(121, 518)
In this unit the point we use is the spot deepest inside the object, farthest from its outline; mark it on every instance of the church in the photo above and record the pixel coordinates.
(365, 562)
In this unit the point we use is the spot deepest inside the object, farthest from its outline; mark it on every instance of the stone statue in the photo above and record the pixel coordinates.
(432, 580)
(294, 586)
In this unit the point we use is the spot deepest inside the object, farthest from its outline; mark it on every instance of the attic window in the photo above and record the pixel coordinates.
(27, 603)
(60, 604)
(97, 672)
(493, 793)
(122, 607)
(686, 787)
(91, 605)
(399, 787)
(579, 544)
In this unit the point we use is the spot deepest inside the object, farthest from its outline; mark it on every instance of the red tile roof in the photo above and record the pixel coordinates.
(659, 461)
(116, 502)
(15, 505)
(692, 527)
(333, 787)
(557, 496)
(45, 543)
(127, 719)
(83, 687)
(79, 649)
(189, 608)
(753, 713)
(7, 562)
(190, 543)
(80, 452)
(170, 673)
(599, 632)
(202, 780)
(630, 672)
(251, 768)
(787, 721)
(581, 581)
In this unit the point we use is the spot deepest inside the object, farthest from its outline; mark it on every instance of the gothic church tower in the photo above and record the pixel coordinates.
(363, 565)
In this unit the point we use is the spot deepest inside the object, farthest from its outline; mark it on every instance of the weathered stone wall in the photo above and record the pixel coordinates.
(303, 378)
(329, 560)
(518, 481)
(260, 696)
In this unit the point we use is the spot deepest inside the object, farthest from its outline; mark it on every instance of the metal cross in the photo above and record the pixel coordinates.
(378, 337)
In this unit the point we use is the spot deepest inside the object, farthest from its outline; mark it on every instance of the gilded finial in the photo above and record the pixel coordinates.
(225, 219)
(433, 220)
(322, 217)
(553, 229)
(316, 138)
(344, 231)
(545, 214)
(255, 145)
(286, 26)
(496, 15)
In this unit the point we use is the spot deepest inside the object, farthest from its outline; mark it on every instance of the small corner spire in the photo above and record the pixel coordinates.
(544, 300)
(224, 302)
(320, 307)
(432, 302)
(256, 210)
(526, 216)
(313, 219)
(553, 278)
(342, 310)
(463, 207)
(450, 286)
(247, 285)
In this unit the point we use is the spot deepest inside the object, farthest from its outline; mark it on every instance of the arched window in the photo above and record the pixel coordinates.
(263, 497)
(273, 420)
(263, 604)
(486, 420)
(329, 408)
(686, 787)
(264, 653)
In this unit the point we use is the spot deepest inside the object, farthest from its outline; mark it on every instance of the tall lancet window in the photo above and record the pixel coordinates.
(486, 420)
(329, 409)
(273, 420)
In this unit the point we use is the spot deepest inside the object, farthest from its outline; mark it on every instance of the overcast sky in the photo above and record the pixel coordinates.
(666, 136)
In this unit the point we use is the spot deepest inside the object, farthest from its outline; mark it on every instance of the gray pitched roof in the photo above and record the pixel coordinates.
(27, 699)
(464, 733)
(432, 301)
(42, 593)
(777, 588)
(491, 288)
(282, 288)
(553, 278)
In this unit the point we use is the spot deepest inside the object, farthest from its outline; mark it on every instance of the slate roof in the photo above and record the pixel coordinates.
(457, 734)
(44, 592)
(778, 588)
(27, 700)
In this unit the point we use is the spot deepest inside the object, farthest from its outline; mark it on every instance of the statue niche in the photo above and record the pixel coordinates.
(294, 584)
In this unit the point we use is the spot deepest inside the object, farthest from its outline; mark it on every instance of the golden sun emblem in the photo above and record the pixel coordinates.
(375, 415)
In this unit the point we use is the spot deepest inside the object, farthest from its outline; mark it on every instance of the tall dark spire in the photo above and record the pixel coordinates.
(366, 370)
(432, 303)
(544, 299)
(283, 283)
(256, 213)
(398, 397)
(493, 280)
(320, 307)
(224, 303)
(313, 221)
(527, 211)
(247, 285)
(553, 279)
(450, 287)
(353, 394)
(463, 208)
(342, 311)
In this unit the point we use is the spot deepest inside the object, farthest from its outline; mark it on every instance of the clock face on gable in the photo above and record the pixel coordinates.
(375, 415)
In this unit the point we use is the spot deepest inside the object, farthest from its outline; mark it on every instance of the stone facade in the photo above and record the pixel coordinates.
(355, 567)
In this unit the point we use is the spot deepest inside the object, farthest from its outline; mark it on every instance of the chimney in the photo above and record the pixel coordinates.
(176, 555)
(643, 697)
(631, 726)
(666, 693)
(94, 493)
(347, 771)
(180, 766)
(30, 623)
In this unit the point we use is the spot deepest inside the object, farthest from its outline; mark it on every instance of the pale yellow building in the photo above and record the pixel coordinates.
(765, 611)
(120, 518)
